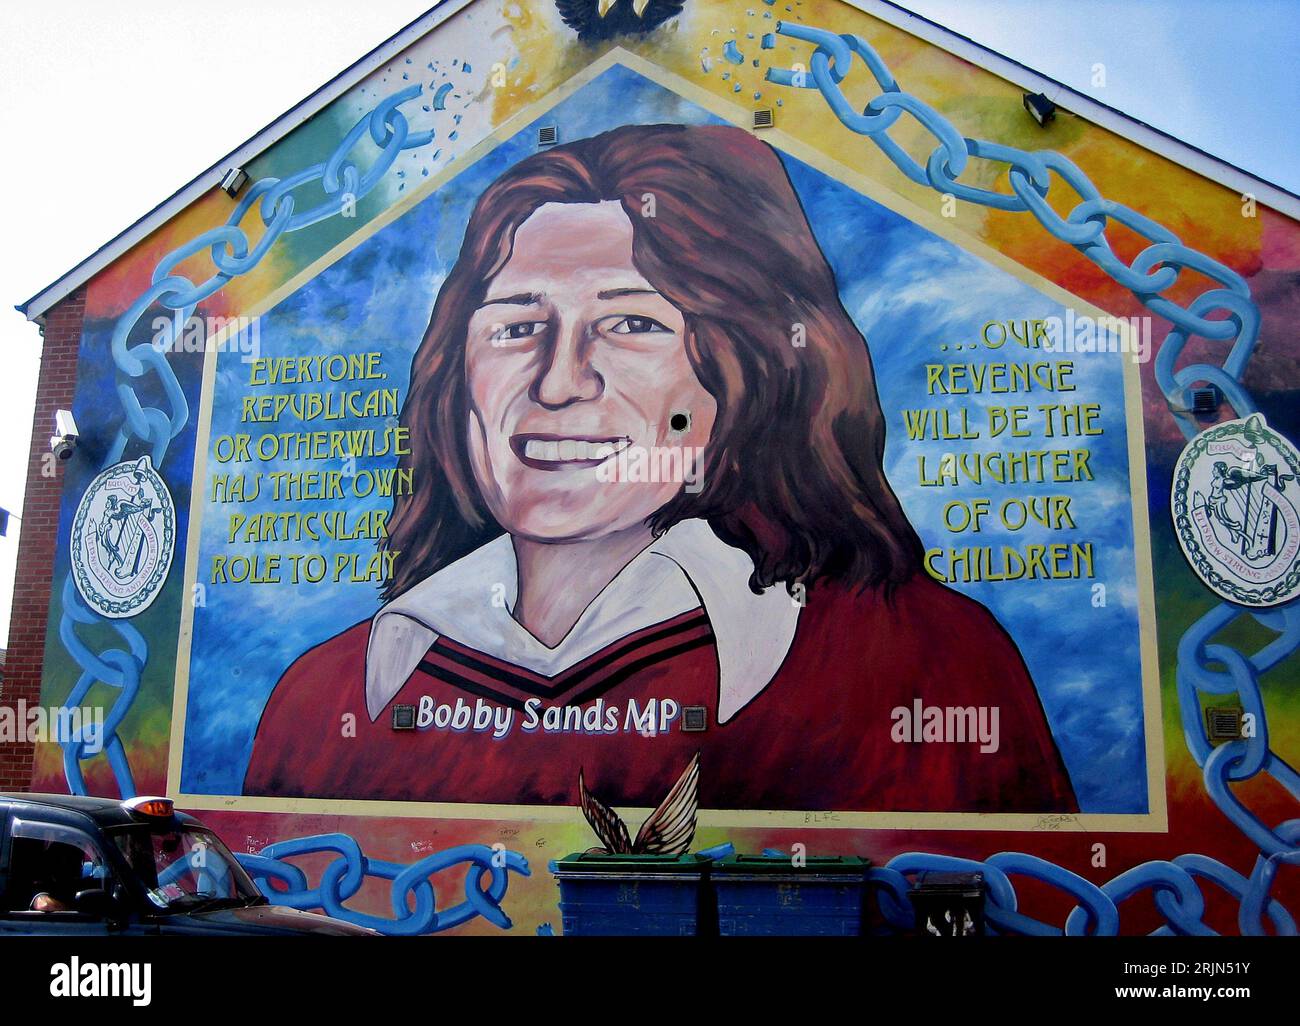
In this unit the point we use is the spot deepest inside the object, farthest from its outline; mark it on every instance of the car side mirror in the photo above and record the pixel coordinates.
(99, 903)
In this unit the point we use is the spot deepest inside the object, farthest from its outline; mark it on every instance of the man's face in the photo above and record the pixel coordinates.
(578, 376)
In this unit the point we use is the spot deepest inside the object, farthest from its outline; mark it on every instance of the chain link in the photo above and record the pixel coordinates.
(1203, 668)
(411, 894)
(233, 254)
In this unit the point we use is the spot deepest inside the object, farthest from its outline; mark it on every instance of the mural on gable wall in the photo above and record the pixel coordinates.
(671, 445)
(665, 491)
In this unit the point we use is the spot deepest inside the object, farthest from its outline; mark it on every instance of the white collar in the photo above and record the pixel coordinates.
(689, 566)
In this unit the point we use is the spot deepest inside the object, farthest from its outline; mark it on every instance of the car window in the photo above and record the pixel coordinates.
(48, 864)
(181, 868)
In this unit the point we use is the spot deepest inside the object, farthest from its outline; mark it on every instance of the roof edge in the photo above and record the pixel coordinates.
(39, 304)
(1205, 164)
(1202, 162)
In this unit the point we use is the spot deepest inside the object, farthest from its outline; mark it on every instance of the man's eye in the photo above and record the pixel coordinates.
(524, 329)
(636, 326)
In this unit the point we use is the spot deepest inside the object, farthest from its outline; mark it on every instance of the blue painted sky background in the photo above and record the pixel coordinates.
(908, 290)
(1222, 75)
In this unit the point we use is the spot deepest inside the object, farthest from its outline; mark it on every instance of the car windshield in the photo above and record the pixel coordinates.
(184, 867)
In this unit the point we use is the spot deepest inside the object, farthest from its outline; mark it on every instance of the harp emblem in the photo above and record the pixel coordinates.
(123, 536)
(1236, 507)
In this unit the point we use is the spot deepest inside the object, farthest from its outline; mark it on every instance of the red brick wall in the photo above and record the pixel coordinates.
(40, 522)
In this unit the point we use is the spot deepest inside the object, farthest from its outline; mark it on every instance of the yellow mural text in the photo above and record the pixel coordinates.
(1006, 538)
(307, 505)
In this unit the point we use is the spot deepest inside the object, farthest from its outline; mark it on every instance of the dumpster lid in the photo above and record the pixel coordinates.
(845, 865)
(935, 882)
(587, 862)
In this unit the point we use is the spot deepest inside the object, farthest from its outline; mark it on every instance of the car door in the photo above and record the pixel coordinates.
(44, 852)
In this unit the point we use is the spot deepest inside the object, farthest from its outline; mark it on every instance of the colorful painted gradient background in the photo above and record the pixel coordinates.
(540, 55)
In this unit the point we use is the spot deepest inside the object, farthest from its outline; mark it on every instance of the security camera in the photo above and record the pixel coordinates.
(64, 439)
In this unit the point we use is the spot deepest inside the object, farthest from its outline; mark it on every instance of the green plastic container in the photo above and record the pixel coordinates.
(768, 896)
(633, 895)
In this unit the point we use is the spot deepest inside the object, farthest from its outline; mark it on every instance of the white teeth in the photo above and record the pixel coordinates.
(571, 450)
(601, 450)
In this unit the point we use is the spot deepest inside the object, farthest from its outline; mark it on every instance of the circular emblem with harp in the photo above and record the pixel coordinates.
(123, 535)
(1236, 508)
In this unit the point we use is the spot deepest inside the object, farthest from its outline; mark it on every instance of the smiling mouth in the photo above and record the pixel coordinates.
(559, 452)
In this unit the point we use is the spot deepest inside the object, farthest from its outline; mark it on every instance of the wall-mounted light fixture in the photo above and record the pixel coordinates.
(1040, 108)
(233, 181)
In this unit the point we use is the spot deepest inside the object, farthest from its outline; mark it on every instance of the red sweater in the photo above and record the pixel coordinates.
(819, 737)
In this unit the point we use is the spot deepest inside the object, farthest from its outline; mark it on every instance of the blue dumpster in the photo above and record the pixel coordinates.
(632, 895)
(771, 896)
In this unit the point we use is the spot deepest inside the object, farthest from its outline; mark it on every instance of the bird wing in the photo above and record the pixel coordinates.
(607, 823)
(576, 13)
(656, 12)
(670, 829)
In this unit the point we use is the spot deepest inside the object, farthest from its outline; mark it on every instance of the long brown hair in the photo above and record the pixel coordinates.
(793, 472)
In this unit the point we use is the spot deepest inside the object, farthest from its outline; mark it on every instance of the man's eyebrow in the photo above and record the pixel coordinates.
(519, 299)
(616, 293)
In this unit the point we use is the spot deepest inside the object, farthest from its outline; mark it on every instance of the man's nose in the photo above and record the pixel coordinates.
(566, 375)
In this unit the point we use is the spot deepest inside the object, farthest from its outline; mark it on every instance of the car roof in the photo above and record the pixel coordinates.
(103, 812)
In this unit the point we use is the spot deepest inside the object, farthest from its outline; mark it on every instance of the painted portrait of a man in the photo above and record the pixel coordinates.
(647, 450)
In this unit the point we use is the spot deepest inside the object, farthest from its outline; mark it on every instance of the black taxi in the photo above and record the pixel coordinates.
(72, 865)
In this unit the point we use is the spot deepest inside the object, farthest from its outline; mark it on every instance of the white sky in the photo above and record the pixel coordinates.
(106, 108)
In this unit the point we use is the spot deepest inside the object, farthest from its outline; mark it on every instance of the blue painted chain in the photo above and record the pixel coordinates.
(410, 886)
(233, 254)
(1204, 668)
(344, 184)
